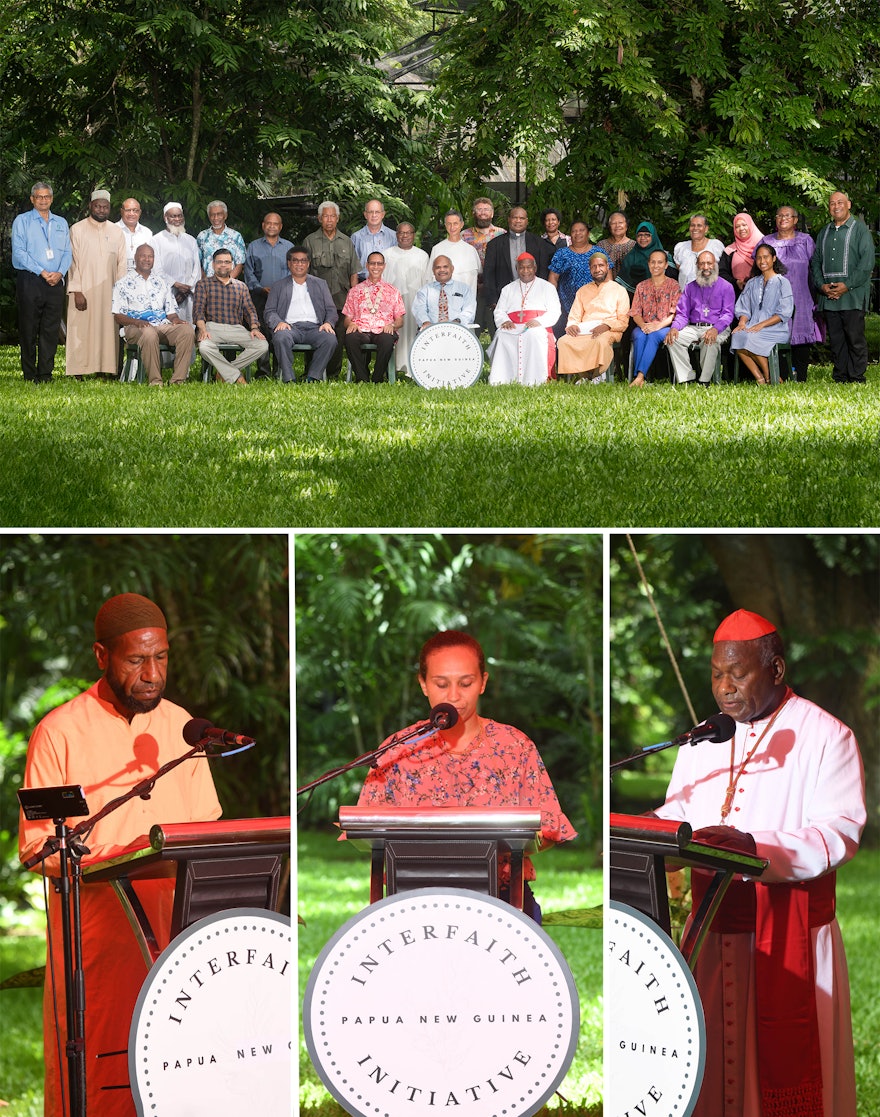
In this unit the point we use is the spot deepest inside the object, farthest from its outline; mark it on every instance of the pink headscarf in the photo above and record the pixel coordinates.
(743, 248)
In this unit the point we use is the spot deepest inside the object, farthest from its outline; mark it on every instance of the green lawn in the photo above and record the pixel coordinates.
(102, 454)
(333, 885)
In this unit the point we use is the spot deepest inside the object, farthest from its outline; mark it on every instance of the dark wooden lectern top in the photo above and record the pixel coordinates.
(435, 846)
(216, 865)
(643, 850)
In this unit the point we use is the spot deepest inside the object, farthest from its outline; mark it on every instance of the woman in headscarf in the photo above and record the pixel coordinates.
(634, 266)
(738, 261)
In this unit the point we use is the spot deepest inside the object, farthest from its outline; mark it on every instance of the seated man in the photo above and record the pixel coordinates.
(444, 300)
(524, 348)
(220, 306)
(704, 314)
(598, 317)
(145, 306)
(374, 312)
(300, 311)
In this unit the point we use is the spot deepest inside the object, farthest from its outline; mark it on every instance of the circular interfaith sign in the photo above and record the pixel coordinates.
(655, 1042)
(446, 355)
(211, 1031)
(440, 998)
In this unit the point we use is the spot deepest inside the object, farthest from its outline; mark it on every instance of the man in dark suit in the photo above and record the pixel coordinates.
(300, 311)
(503, 252)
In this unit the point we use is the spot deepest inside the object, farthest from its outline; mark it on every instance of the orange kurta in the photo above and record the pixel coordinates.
(607, 303)
(87, 741)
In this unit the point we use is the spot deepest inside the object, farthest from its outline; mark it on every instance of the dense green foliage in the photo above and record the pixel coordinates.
(226, 601)
(367, 455)
(366, 604)
(333, 886)
(823, 591)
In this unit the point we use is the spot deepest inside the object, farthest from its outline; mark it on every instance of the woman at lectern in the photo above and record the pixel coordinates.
(475, 762)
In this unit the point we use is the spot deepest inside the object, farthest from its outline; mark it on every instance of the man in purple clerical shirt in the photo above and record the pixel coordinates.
(704, 314)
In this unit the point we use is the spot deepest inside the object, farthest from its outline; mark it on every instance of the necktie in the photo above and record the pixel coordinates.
(442, 305)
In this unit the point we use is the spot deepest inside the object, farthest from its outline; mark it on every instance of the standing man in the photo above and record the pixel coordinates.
(374, 312)
(444, 300)
(145, 308)
(219, 235)
(134, 232)
(265, 263)
(772, 970)
(598, 317)
(841, 271)
(503, 252)
(375, 236)
(118, 732)
(479, 235)
(405, 269)
(704, 314)
(220, 306)
(41, 258)
(300, 311)
(335, 261)
(686, 252)
(177, 258)
(463, 256)
(99, 259)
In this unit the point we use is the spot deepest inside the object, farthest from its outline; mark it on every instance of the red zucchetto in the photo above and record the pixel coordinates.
(743, 625)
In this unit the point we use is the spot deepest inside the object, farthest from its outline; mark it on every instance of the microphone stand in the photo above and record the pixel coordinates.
(68, 843)
(642, 753)
(417, 733)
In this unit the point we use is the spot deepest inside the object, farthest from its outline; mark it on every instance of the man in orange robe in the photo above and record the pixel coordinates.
(115, 734)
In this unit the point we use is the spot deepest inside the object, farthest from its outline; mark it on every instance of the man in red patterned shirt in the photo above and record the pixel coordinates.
(374, 311)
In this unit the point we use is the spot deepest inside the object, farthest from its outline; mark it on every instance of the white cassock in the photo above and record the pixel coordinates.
(177, 261)
(404, 269)
(464, 258)
(802, 798)
(524, 354)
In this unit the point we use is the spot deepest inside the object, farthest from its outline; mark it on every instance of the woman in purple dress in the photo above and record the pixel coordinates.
(795, 250)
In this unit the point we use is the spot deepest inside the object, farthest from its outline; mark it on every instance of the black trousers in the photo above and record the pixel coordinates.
(384, 348)
(40, 308)
(848, 344)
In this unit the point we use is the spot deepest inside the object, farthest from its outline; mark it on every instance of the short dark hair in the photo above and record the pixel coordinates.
(453, 213)
(381, 256)
(450, 638)
(545, 213)
(222, 252)
(297, 250)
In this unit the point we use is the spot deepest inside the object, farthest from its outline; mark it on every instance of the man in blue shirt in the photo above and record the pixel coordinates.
(444, 300)
(41, 258)
(265, 263)
(375, 236)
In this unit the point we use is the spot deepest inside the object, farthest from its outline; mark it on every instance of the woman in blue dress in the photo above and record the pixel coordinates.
(764, 309)
(570, 269)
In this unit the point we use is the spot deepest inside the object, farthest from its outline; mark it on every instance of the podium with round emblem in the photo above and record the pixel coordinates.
(446, 355)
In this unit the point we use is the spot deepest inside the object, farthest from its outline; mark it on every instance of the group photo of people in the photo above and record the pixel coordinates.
(585, 305)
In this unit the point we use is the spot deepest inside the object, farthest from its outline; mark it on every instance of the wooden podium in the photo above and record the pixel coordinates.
(216, 866)
(642, 850)
(435, 846)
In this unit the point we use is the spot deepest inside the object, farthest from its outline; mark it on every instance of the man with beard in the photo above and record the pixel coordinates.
(704, 314)
(772, 971)
(177, 258)
(598, 317)
(109, 738)
(479, 235)
(99, 259)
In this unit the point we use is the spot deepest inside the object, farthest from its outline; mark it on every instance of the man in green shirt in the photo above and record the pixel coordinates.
(841, 272)
(333, 259)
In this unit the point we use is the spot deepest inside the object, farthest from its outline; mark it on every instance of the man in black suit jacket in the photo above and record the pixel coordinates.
(300, 311)
(502, 252)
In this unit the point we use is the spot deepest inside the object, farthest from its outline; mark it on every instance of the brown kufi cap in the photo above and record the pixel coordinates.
(127, 612)
(743, 625)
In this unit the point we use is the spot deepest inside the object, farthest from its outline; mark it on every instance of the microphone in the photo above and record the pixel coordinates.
(443, 716)
(719, 727)
(200, 729)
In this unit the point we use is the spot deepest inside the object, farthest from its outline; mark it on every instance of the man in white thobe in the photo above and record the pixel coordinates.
(772, 972)
(523, 349)
(405, 269)
(99, 259)
(177, 259)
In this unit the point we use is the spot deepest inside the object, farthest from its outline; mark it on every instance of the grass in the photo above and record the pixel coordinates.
(21, 1031)
(99, 454)
(333, 885)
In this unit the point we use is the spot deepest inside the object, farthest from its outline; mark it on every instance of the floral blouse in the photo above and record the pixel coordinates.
(653, 304)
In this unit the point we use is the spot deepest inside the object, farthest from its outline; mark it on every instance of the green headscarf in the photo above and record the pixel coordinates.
(634, 266)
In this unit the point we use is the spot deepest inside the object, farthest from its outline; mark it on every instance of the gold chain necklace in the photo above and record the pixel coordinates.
(727, 805)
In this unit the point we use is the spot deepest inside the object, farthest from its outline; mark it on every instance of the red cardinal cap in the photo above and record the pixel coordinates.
(743, 625)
